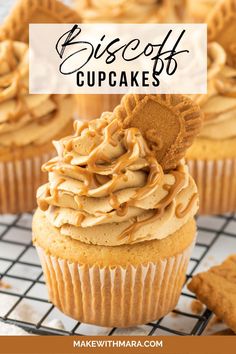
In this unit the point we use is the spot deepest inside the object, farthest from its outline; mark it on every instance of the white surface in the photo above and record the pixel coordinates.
(11, 330)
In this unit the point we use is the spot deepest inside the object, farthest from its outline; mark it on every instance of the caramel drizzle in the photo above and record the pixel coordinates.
(154, 178)
(130, 231)
(89, 179)
(98, 155)
(42, 200)
(80, 219)
(173, 190)
(114, 202)
(180, 212)
(123, 209)
(79, 128)
(15, 79)
(55, 193)
(117, 168)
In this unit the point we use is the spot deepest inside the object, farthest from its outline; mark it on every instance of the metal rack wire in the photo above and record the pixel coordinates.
(19, 265)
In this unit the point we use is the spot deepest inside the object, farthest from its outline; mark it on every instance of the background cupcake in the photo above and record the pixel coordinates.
(28, 123)
(23, 12)
(122, 11)
(114, 228)
(212, 157)
(132, 11)
(199, 10)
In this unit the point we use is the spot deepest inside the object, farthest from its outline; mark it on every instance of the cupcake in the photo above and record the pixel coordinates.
(212, 157)
(199, 10)
(132, 11)
(121, 11)
(16, 25)
(115, 226)
(222, 26)
(28, 123)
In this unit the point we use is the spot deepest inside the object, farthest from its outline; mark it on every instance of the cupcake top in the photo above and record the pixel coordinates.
(132, 11)
(219, 104)
(24, 118)
(106, 187)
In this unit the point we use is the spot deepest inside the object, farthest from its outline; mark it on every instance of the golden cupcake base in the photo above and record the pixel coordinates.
(212, 164)
(109, 294)
(216, 182)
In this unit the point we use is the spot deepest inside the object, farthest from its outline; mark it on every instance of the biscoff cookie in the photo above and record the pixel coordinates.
(16, 25)
(175, 117)
(222, 26)
(216, 288)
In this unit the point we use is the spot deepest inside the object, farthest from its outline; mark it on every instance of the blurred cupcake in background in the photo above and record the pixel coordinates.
(122, 11)
(212, 157)
(131, 11)
(221, 23)
(199, 10)
(28, 124)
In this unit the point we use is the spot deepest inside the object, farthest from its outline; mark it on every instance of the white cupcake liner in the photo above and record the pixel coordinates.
(216, 182)
(19, 181)
(115, 296)
(92, 106)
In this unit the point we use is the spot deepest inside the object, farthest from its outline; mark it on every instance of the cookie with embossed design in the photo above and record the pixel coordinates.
(169, 123)
(216, 288)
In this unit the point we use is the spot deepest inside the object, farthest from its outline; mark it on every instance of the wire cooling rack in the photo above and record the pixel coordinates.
(23, 294)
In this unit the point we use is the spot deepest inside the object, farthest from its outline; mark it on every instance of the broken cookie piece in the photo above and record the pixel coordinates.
(216, 288)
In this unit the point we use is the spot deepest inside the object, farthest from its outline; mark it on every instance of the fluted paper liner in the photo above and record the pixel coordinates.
(115, 296)
(92, 106)
(19, 181)
(216, 182)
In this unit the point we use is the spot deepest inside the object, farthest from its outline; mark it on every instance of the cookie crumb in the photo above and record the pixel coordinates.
(216, 289)
(4, 285)
(196, 307)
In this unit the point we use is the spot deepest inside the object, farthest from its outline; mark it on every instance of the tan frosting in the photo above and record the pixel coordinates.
(24, 118)
(219, 105)
(106, 187)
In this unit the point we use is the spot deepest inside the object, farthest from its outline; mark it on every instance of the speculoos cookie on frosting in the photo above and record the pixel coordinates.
(113, 219)
(28, 123)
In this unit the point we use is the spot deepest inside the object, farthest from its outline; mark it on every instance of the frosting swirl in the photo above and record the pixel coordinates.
(219, 104)
(25, 118)
(132, 11)
(106, 187)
